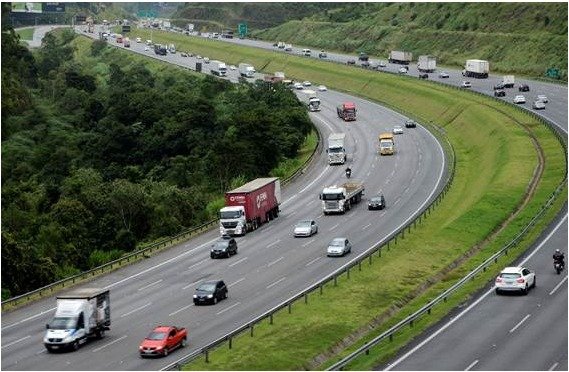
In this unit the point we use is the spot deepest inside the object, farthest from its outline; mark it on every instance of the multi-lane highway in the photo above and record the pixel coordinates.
(271, 265)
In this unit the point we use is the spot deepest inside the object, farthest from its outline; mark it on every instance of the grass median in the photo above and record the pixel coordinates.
(496, 161)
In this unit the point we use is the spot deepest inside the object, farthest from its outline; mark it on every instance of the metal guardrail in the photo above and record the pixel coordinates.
(482, 267)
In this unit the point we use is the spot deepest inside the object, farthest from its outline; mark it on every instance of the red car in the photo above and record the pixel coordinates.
(162, 340)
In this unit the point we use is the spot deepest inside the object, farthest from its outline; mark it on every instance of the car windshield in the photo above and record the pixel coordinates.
(385, 144)
(303, 224)
(63, 323)
(376, 199)
(333, 196)
(510, 275)
(207, 287)
(156, 335)
(227, 215)
(221, 244)
(337, 243)
(335, 149)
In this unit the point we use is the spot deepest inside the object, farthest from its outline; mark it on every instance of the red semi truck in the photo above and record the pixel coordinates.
(249, 206)
(347, 111)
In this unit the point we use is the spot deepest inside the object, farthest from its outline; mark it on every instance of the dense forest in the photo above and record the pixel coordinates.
(102, 151)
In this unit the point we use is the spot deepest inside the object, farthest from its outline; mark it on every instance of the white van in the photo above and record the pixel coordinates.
(306, 52)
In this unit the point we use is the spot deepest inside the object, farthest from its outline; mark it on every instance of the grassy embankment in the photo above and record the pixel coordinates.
(495, 163)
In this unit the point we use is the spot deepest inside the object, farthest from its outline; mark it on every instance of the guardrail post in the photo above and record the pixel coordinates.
(391, 337)
(411, 323)
(403, 233)
(251, 330)
(348, 272)
(429, 311)
(207, 356)
(360, 265)
(230, 342)
(271, 319)
(306, 298)
(370, 259)
(335, 281)
(321, 288)
(367, 351)
(289, 308)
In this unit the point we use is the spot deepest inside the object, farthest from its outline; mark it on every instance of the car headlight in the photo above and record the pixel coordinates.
(209, 296)
(195, 296)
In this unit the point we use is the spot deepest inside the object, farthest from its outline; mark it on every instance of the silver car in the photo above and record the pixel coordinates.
(305, 228)
(398, 129)
(339, 247)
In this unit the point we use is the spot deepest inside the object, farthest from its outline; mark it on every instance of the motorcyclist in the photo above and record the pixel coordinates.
(558, 256)
(348, 172)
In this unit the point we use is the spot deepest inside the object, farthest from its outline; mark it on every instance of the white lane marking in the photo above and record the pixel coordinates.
(290, 214)
(366, 226)
(310, 202)
(275, 261)
(28, 318)
(238, 262)
(277, 282)
(273, 243)
(553, 366)
(182, 309)
(228, 308)
(237, 281)
(520, 323)
(471, 365)
(320, 215)
(198, 263)
(15, 342)
(41, 351)
(557, 286)
(310, 242)
(110, 343)
(333, 227)
(313, 181)
(313, 261)
(150, 285)
(192, 284)
(474, 304)
(135, 310)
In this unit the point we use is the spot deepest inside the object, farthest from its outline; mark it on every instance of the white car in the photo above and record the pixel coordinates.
(539, 105)
(148, 42)
(382, 64)
(138, 40)
(443, 75)
(306, 83)
(147, 48)
(519, 99)
(517, 279)
(298, 86)
(288, 48)
(322, 88)
(305, 228)
(339, 247)
(398, 129)
(466, 84)
(206, 60)
(232, 67)
(402, 70)
(542, 98)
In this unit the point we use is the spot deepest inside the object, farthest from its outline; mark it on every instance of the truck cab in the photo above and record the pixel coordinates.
(386, 144)
(232, 221)
(347, 111)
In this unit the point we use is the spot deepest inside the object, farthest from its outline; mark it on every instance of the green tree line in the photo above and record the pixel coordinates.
(100, 156)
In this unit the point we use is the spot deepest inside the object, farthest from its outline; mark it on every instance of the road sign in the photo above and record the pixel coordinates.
(242, 28)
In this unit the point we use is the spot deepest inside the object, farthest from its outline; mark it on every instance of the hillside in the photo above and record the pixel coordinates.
(522, 38)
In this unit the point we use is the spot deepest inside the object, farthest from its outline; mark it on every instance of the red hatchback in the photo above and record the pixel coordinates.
(162, 340)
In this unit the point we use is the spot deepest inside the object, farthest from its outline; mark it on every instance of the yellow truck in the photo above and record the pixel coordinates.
(386, 144)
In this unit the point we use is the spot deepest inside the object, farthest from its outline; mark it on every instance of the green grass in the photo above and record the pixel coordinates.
(495, 163)
(26, 33)
(288, 167)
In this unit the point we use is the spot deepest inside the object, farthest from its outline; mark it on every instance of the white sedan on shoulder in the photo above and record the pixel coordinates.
(517, 279)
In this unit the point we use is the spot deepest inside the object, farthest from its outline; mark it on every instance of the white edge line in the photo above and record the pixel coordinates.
(471, 306)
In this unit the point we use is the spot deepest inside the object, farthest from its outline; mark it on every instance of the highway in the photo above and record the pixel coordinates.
(271, 265)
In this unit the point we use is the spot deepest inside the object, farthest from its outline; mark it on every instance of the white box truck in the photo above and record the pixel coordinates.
(476, 68)
(400, 57)
(427, 64)
(508, 81)
(246, 70)
(218, 68)
(310, 99)
(336, 150)
(80, 314)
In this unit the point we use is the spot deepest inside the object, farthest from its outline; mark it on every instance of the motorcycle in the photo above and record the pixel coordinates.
(348, 172)
(558, 266)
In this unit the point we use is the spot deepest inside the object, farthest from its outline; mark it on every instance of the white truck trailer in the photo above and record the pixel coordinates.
(80, 314)
(310, 99)
(476, 68)
(508, 81)
(339, 199)
(218, 68)
(336, 150)
(427, 64)
(246, 70)
(400, 57)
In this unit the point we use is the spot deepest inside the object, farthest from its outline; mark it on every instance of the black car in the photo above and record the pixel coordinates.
(363, 56)
(499, 86)
(499, 93)
(322, 54)
(210, 292)
(223, 248)
(351, 62)
(410, 124)
(423, 76)
(524, 88)
(365, 64)
(377, 202)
